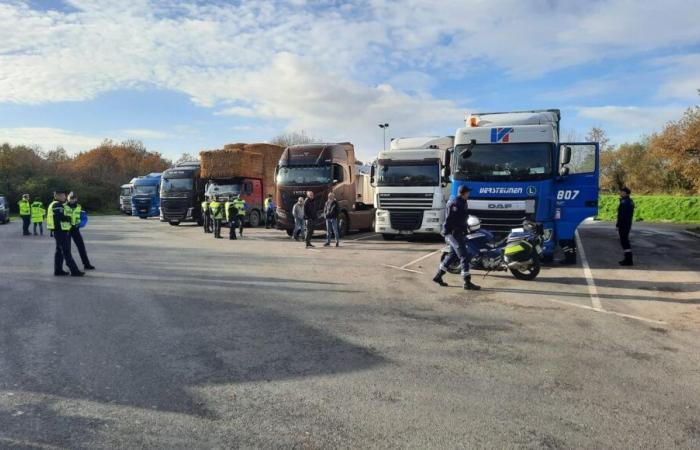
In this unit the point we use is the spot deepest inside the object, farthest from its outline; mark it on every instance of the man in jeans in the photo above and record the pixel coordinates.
(330, 211)
(298, 214)
(310, 217)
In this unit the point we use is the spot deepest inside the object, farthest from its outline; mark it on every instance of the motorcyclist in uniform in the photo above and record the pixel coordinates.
(455, 233)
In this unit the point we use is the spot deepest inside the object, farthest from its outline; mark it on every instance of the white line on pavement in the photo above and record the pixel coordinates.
(629, 316)
(402, 268)
(363, 237)
(420, 259)
(595, 300)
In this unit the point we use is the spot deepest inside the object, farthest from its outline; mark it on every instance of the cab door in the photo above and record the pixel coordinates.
(575, 194)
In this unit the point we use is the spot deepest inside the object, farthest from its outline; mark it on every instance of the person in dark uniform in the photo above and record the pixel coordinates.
(75, 230)
(231, 218)
(206, 216)
(455, 232)
(59, 219)
(310, 216)
(217, 214)
(625, 215)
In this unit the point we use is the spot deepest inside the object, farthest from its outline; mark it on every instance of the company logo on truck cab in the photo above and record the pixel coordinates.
(501, 190)
(501, 135)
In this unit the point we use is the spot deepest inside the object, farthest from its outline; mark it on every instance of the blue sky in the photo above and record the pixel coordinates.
(190, 75)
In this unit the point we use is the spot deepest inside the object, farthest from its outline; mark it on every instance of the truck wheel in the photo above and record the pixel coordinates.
(343, 224)
(254, 219)
(530, 274)
(290, 232)
(388, 237)
(174, 223)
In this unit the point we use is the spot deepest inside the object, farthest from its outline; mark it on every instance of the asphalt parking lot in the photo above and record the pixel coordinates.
(182, 341)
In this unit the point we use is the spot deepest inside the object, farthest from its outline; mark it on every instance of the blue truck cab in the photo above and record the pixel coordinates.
(145, 197)
(517, 170)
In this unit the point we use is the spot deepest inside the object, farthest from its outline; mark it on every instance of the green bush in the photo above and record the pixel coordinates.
(654, 208)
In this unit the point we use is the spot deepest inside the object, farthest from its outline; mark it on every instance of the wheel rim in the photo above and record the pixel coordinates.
(254, 219)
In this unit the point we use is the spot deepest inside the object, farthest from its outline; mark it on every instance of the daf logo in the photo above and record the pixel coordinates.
(500, 205)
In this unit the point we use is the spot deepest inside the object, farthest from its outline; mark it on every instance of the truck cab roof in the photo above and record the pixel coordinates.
(421, 142)
(510, 127)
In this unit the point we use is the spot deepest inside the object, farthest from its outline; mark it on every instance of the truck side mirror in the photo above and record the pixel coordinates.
(372, 171)
(564, 171)
(565, 155)
(446, 172)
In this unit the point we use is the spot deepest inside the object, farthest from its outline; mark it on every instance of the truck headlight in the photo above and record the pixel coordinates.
(382, 213)
(381, 219)
(433, 219)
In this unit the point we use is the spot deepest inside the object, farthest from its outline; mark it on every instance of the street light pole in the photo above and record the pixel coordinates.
(384, 126)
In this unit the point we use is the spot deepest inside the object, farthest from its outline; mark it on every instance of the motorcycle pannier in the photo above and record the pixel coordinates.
(518, 251)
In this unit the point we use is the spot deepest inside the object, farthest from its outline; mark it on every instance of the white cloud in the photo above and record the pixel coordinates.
(142, 133)
(48, 138)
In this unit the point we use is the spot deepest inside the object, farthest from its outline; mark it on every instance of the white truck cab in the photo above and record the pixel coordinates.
(411, 186)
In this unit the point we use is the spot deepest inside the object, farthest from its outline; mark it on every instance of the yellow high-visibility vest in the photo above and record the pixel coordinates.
(239, 203)
(37, 212)
(25, 208)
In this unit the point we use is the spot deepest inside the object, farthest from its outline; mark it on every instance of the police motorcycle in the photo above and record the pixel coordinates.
(519, 252)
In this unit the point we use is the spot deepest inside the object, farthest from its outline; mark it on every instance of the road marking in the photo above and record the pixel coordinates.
(402, 268)
(589, 308)
(421, 258)
(592, 289)
(363, 237)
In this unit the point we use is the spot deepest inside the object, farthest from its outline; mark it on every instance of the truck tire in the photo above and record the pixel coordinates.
(254, 218)
(290, 232)
(388, 237)
(174, 223)
(343, 224)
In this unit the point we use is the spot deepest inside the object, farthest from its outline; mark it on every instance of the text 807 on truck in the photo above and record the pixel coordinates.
(517, 170)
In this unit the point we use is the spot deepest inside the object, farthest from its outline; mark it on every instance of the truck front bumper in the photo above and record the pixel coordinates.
(427, 221)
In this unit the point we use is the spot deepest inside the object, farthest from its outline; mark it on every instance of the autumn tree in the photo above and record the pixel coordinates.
(294, 138)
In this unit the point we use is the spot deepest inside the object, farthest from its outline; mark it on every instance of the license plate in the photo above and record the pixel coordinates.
(405, 232)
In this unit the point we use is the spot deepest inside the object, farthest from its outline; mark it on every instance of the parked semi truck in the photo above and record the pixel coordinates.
(250, 190)
(411, 180)
(145, 198)
(518, 169)
(181, 194)
(125, 191)
(324, 168)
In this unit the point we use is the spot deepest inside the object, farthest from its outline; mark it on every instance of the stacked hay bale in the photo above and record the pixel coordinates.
(245, 160)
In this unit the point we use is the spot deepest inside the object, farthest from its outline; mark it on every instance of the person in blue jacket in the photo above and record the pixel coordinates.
(625, 216)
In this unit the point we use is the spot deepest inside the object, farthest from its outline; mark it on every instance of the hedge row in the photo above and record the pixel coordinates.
(654, 208)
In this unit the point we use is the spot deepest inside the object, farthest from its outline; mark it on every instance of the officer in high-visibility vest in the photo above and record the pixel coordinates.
(206, 216)
(60, 221)
(231, 218)
(38, 214)
(75, 235)
(241, 206)
(25, 212)
(217, 214)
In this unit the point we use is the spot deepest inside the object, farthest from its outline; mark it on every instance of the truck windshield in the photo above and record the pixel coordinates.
(408, 174)
(503, 162)
(216, 190)
(304, 175)
(145, 189)
(125, 191)
(176, 185)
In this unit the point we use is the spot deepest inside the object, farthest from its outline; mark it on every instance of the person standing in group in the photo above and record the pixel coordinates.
(75, 235)
(25, 212)
(206, 216)
(298, 214)
(330, 212)
(241, 206)
(231, 218)
(625, 217)
(38, 213)
(269, 212)
(455, 232)
(217, 214)
(59, 219)
(310, 216)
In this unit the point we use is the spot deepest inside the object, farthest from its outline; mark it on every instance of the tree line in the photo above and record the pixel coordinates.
(94, 175)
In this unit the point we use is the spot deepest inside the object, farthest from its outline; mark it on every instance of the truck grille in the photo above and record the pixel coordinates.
(500, 222)
(406, 201)
(406, 220)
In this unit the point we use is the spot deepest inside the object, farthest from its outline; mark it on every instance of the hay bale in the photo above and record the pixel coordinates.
(233, 162)
(271, 156)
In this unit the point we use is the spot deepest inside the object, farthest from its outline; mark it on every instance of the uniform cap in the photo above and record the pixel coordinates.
(60, 191)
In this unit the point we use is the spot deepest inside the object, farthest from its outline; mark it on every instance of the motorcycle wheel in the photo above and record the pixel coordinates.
(454, 268)
(530, 274)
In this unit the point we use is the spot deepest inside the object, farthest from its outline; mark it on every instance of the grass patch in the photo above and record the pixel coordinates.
(654, 208)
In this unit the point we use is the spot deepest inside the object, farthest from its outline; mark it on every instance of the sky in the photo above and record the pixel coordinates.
(188, 75)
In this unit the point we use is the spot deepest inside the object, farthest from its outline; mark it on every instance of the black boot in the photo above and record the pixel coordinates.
(438, 278)
(628, 260)
(468, 285)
